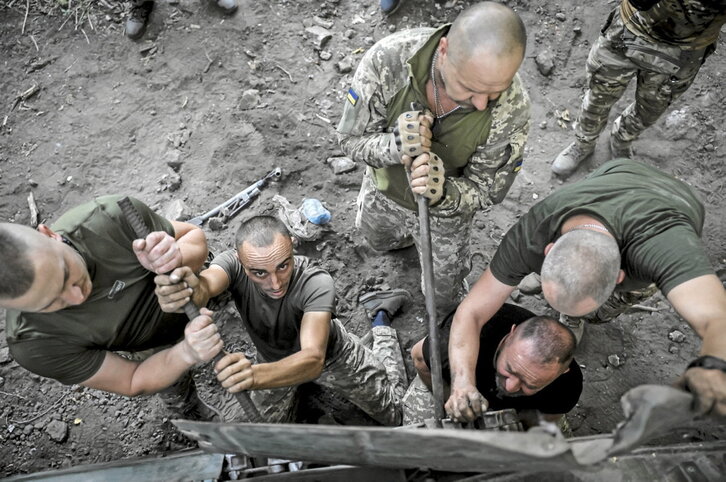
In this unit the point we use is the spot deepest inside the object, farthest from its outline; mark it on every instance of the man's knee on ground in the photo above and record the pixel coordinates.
(418, 360)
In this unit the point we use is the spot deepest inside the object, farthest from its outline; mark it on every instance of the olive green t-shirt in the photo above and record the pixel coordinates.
(656, 219)
(274, 324)
(120, 314)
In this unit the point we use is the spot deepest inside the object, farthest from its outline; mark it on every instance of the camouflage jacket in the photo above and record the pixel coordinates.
(365, 130)
(689, 24)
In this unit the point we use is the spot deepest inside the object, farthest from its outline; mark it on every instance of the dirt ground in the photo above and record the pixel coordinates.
(205, 104)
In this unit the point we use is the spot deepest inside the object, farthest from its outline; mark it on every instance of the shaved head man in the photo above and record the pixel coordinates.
(448, 103)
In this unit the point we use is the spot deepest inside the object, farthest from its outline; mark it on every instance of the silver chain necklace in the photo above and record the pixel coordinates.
(438, 106)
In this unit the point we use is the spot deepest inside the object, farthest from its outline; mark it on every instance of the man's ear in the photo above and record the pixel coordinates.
(443, 46)
(295, 241)
(46, 231)
(620, 278)
(548, 248)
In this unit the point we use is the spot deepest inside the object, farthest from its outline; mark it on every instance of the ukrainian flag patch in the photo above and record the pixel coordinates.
(518, 165)
(352, 96)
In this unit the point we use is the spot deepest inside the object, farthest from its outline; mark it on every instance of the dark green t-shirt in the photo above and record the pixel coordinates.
(656, 219)
(274, 325)
(120, 314)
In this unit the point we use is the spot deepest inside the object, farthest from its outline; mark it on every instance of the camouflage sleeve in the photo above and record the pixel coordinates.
(493, 167)
(362, 129)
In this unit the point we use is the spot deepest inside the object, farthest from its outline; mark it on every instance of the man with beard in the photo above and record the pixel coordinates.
(525, 362)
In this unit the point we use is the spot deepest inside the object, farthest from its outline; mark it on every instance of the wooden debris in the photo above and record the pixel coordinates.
(25, 95)
(34, 214)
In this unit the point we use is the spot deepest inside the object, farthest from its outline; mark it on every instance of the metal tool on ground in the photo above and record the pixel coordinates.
(191, 310)
(239, 201)
(427, 266)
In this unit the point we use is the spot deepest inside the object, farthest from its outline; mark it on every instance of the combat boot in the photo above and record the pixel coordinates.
(567, 161)
(138, 18)
(389, 301)
(227, 6)
(620, 148)
(575, 324)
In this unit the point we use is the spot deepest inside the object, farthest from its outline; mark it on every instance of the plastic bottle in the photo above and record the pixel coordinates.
(314, 211)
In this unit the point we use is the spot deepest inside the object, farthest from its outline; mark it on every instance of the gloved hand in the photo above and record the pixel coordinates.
(412, 132)
(427, 175)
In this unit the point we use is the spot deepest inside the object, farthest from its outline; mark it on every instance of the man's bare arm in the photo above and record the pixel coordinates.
(124, 377)
(192, 243)
(236, 373)
(482, 302)
(702, 303)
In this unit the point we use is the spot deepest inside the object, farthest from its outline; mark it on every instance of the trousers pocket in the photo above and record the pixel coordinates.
(664, 59)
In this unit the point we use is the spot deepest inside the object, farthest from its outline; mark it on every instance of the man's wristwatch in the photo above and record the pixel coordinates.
(709, 363)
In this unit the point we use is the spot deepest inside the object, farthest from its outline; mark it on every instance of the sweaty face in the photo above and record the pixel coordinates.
(475, 82)
(61, 279)
(518, 374)
(269, 267)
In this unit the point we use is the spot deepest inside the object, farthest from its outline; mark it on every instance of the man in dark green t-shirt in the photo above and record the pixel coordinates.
(81, 290)
(286, 305)
(601, 244)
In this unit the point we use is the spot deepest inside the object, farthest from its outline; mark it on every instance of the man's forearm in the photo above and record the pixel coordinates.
(295, 369)
(375, 150)
(463, 352)
(194, 250)
(160, 370)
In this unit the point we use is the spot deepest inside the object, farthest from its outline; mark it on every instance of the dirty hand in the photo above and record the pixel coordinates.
(412, 132)
(709, 389)
(158, 252)
(466, 404)
(175, 289)
(234, 372)
(201, 340)
(427, 176)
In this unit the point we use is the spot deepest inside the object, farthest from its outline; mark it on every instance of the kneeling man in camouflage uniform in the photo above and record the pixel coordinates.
(450, 102)
(286, 304)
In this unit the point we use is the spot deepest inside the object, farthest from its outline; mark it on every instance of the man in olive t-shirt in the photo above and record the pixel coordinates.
(286, 305)
(601, 244)
(83, 289)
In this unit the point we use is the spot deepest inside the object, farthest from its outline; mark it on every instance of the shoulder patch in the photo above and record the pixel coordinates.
(352, 96)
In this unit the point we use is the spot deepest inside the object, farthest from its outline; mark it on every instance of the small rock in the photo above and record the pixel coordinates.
(215, 224)
(560, 16)
(325, 55)
(615, 361)
(328, 24)
(4, 355)
(32, 183)
(345, 65)
(57, 430)
(543, 125)
(28, 429)
(709, 148)
(319, 36)
(173, 159)
(349, 34)
(577, 30)
(2, 381)
(341, 165)
(516, 295)
(673, 348)
(677, 336)
(677, 119)
(250, 99)
(175, 181)
(545, 61)
(177, 210)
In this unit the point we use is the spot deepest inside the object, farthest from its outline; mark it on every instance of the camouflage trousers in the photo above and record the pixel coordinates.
(614, 60)
(618, 303)
(387, 226)
(374, 380)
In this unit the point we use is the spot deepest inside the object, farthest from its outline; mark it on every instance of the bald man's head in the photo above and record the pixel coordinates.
(18, 269)
(487, 27)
